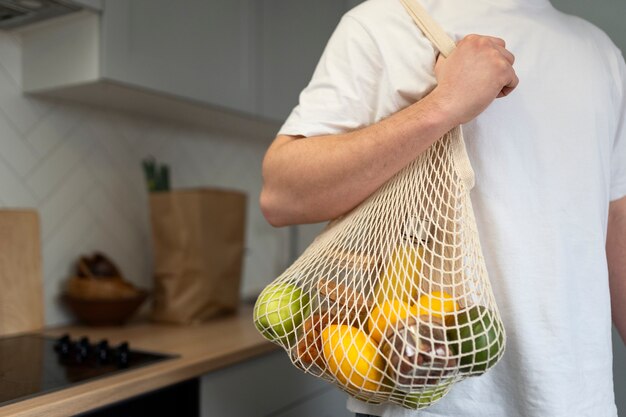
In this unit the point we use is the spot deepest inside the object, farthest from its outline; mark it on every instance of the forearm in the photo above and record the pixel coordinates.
(319, 178)
(616, 257)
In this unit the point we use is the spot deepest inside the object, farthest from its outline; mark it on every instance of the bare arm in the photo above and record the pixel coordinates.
(616, 256)
(322, 177)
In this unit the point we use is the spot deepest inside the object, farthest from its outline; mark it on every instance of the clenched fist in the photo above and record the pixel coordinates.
(477, 72)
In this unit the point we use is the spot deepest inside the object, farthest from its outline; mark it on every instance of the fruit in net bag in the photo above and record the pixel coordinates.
(477, 336)
(417, 353)
(437, 304)
(427, 397)
(402, 275)
(352, 357)
(386, 314)
(309, 348)
(279, 309)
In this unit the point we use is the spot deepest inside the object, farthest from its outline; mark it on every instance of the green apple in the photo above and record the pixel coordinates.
(426, 397)
(279, 310)
(478, 336)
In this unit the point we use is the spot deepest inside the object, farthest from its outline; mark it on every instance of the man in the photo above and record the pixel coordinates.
(550, 163)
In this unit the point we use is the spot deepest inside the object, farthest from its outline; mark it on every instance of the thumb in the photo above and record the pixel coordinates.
(439, 62)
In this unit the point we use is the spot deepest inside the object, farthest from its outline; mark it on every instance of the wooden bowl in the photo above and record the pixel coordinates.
(105, 311)
(100, 288)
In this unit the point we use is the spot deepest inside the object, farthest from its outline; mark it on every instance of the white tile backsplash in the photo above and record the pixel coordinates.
(81, 168)
(52, 128)
(18, 153)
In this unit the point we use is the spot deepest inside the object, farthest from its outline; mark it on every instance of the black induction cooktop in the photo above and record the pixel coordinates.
(33, 364)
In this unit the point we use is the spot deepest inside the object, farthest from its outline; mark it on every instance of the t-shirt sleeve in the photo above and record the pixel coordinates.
(341, 95)
(618, 156)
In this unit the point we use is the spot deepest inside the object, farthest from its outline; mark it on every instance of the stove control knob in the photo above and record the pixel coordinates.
(82, 349)
(102, 351)
(84, 341)
(62, 345)
(122, 352)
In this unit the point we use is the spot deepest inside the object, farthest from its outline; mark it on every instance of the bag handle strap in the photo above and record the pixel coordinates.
(435, 34)
(440, 39)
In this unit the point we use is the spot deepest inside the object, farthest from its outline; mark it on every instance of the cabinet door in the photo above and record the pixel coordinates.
(329, 403)
(90, 4)
(196, 49)
(260, 387)
(352, 3)
(293, 33)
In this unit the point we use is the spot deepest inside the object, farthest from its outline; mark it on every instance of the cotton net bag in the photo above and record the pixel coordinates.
(392, 302)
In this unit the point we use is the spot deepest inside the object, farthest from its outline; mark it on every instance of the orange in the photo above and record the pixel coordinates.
(386, 314)
(437, 304)
(352, 357)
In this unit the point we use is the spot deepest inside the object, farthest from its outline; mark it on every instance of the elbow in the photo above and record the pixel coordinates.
(284, 209)
(271, 209)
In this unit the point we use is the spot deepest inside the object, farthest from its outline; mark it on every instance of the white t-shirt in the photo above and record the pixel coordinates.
(548, 159)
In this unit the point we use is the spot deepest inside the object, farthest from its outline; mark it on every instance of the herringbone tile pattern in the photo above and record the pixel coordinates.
(81, 168)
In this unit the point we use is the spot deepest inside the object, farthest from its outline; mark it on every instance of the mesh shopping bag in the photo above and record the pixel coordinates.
(392, 302)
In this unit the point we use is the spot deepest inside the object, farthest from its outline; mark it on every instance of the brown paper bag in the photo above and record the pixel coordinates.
(198, 239)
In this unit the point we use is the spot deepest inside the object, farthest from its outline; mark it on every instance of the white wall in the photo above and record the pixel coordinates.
(608, 15)
(81, 168)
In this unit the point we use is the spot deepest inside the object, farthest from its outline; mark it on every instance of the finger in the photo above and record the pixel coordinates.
(506, 54)
(514, 82)
(504, 92)
(477, 37)
(507, 89)
(496, 40)
(440, 58)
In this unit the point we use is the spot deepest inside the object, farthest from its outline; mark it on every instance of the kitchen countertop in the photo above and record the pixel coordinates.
(202, 348)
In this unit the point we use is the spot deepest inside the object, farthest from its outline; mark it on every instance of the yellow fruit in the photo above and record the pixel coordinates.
(386, 314)
(437, 304)
(402, 275)
(352, 357)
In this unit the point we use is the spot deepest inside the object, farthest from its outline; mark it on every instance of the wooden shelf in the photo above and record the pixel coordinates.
(202, 349)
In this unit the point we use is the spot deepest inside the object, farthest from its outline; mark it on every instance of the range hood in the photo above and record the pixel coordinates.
(17, 13)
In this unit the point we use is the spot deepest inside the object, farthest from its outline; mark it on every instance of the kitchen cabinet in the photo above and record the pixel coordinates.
(90, 4)
(330, 403)
(294, 34)
(188, 61)
(196, 60)
(269, 385)
(353, 3)
(180, 400)
(195, 49)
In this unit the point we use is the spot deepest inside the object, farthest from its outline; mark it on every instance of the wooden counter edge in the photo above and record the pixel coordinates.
(109, 390)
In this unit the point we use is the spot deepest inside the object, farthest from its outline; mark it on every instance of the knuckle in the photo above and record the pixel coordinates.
(474, 41)
(505, 78)
(495, 54)
(504, 65)
(482, 41)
